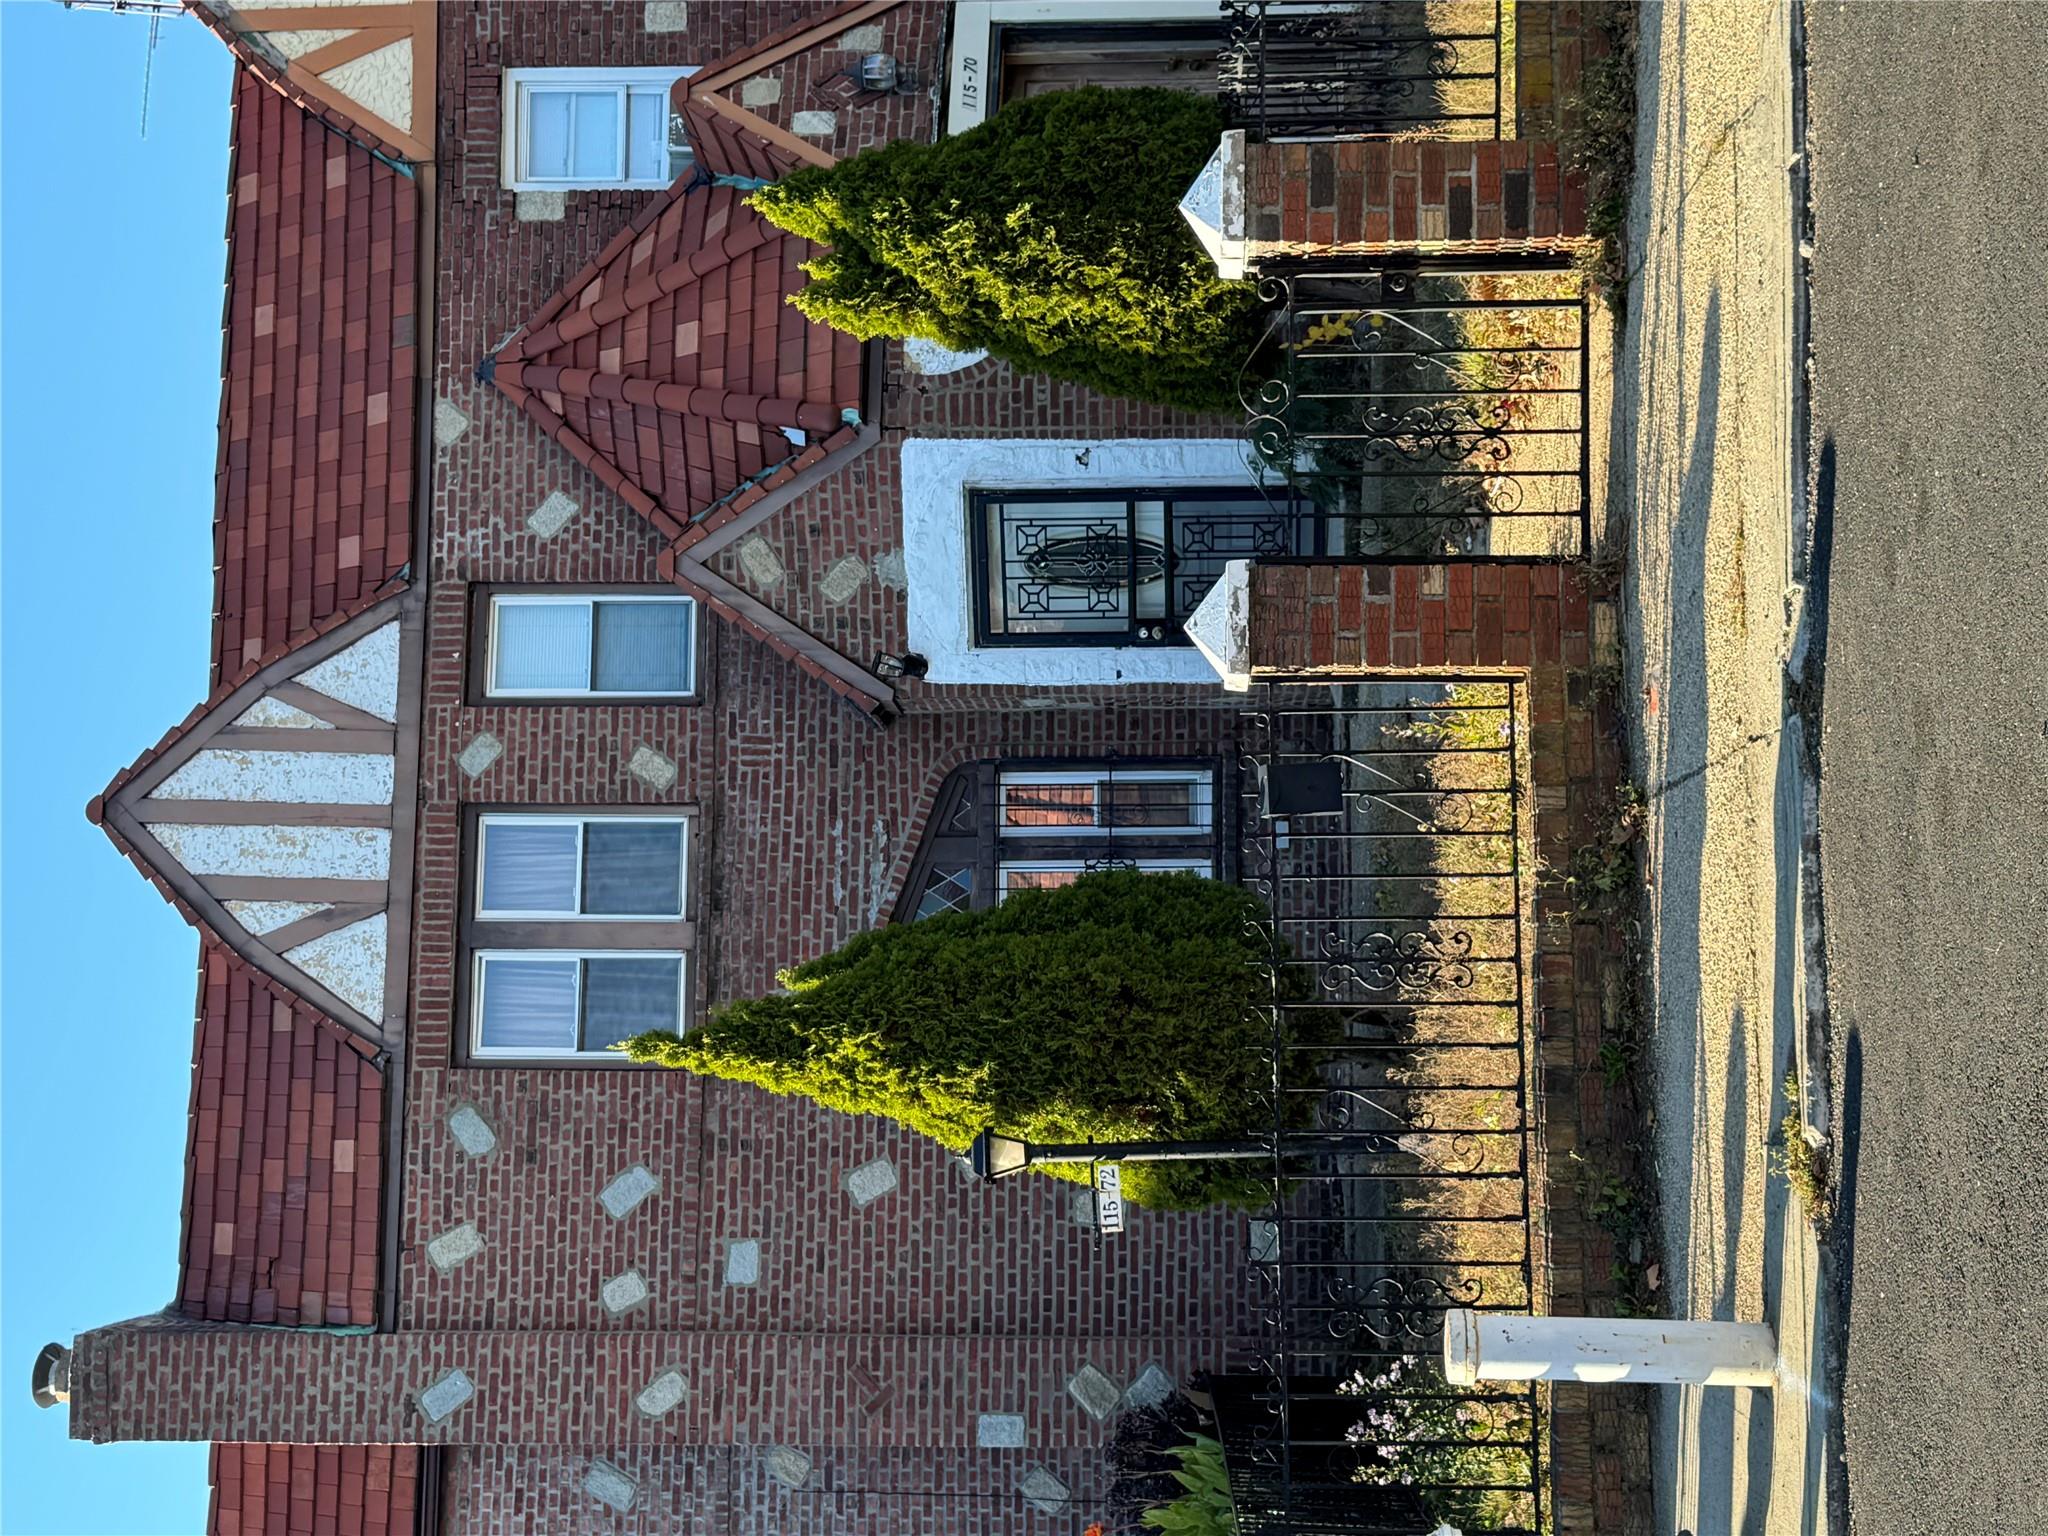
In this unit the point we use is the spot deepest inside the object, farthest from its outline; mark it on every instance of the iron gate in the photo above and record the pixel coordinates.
(1425, 413)
(1381, 826)
(1375, 67)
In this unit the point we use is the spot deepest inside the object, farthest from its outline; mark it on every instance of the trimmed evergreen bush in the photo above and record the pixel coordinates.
(1049, 234)
(1124, 1006)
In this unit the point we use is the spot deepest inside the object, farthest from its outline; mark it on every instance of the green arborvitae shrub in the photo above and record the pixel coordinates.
(1050, 234)
(1125, 1006)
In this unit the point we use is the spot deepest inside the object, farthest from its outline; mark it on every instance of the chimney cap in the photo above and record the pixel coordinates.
(51, 1379)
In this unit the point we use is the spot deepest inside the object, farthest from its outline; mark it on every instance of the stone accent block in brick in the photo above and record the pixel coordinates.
(662, 1395)
(815, 125)
(1095, 1392)
(611, 1486)
(1152, 1388)
(758, 559)
(483, 750)
(846, 578)
(446, 1394)
(761, 91)
(666, 16)
(552, 515)
(1262, 1241)
(1044, 1492)
(472, 1132)
(450, 422)
(787, 1465)
(625, 1291)
(623, 1195)
(870, 1181)
(999, 1431)
(653, 769)
(867, 39)
(743, 1261)
(455, 1247)
(540, 207)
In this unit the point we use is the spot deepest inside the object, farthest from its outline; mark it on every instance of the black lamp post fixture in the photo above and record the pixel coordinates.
(996, 1156)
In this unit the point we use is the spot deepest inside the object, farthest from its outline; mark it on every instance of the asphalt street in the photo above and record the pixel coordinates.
(1930, 504)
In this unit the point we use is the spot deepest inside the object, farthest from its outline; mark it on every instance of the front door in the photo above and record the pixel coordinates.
(1033, 60)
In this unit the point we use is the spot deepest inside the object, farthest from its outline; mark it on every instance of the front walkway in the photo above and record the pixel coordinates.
(1702, 459)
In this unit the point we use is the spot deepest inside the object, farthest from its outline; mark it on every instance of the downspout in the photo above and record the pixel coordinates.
(395, 1062)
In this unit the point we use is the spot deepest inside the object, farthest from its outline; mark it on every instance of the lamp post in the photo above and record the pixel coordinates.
(996, 1156)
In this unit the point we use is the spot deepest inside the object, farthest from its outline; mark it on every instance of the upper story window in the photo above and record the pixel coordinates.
(575, 932)
(1089, 567)
(568, 129)
(551, 644)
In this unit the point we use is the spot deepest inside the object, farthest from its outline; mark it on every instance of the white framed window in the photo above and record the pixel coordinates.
(576, 932)
(577, 868)
(1050, 874)
(1097, 802)
(570, 129)
(545, 645)
(572, 1003)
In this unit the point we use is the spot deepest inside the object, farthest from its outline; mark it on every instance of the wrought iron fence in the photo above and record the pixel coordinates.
(1380, 824)
(1300, 67)
(1424, 413)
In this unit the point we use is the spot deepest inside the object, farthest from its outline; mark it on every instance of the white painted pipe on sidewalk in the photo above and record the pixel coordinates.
(1507, 1346)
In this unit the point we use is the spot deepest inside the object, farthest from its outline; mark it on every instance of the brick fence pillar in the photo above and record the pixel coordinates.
(1374, 197)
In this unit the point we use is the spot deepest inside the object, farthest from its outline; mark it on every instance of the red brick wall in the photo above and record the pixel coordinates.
(1379, 196)
(807, 816)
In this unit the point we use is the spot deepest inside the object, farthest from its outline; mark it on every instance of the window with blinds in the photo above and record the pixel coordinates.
(591, 128)
(576, 932)
(560, 646)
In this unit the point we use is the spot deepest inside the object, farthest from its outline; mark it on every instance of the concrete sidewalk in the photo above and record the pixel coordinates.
(1702, 469)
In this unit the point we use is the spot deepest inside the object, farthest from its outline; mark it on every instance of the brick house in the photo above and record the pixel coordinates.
(545, 526)
(594, 636)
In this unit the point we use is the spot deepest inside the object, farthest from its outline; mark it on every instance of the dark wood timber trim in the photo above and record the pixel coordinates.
(317, 925)
(412, 649)
(259, 683)
(204, 898)
(270, 738)
(324, 707)
(563, 933)
(291, 888)
(262, 813)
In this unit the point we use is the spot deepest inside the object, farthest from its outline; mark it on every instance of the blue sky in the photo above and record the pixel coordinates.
(111, 265)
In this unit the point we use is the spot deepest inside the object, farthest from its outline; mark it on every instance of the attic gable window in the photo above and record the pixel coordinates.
(575, 129)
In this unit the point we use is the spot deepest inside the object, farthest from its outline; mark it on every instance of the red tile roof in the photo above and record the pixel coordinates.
(313, 1490)
(285, 1156)
(670, 365)
(312, 517)
(313, 488)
